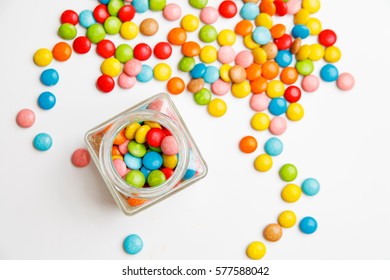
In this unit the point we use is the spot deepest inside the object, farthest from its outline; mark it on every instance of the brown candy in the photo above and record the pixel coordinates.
(148, 27)
(271, 50)
(273, 232)
(296, 46)
(237, 74)
(195, 85)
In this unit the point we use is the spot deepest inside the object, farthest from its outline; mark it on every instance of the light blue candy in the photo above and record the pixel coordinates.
(133, 244)
(42, 142)
(198, 70)
(284, 58)
(310, 187)
(249, 11)
(146, 74)
(49, 77)
(211, 74)
(277, 106)
(141, 6)
(273, 147)
(329, 73)
(261, 35)
(86, 18)
(132, 162)
(46, 100)
(152, 160)
(308, 225)
(301, 31)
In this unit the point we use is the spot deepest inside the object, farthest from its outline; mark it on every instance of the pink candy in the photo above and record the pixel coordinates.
(220, 87)
(172, 12)
(120, 167)
(226, 54)
(259, 102)
(80, 158)
(25, 118)
(133, 67)
(244, 58)
(209, 15)
(345, 81)
(293, 6)
(278, 125)
(125, 81)
(169, 146)
(310, 83)
(123, 148)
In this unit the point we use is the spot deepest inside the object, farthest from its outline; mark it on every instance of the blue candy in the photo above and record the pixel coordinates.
(146, 74)
(191, 171)
(273, 147)
(261, 35)
(140, 6)
(42, 142)
(145, 171)
(189, 174)
(133, 244)
(301, 31)
(277, 106)
(198, 71)
(308, 225)
(284, 58)
(249, 11)
(49, 77)
(46, 100)
(211, 74)
(329, 73)
(310, 187)
(152, 160)
(105, 2)
(86, 18)
(132, 162)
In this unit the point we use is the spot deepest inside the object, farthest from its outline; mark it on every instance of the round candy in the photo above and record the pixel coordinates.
(287, 219)
(296, 46)
(332, 54)
(167, 172)
(175, 85)
(259, 102)
(253, 72)
(211, 74)
(256, 250)
(278, 125)
(195, 85)
(124, 53)
(169, 145)
(244, 27)
(327, 37)
(170, 161)
(217, 107)
(152, 160)
(141, 6)
(111, 67)
(198, 71)
(308, 225)
(43, 57)
(304, 67)
(208, 54)
(260, 121)
(42, 142)
(292, 94)
(316, 52)
(177, 36)
(126, 13)
(208, 15)
(172, 12)
(112, 25)
(345, 81)
(301, 17)
(163, 50)
(156, 178)
(120, 167)
(46, 100)
(96, 33)
(136, 149)
(284, 42)
(314, 25)
(329, 73)
(295, 112)
(190, 49)
(208, 33)
(69, 16)
(157, 5)
(134, 163)
(49, 77)
(241, 90)
(100, 13)
(133, 244)
(277, 106)
(248, 144)
(131, 129)
(273, 147)
(114, 6)
(25, 118)
(227, 9)
(263, 163)
(140, 134)
(189, 23)
(105, 83)
(219, 87)
(67, 31)
(187, 64)
(303, 52)
(289, 75)
(237, 74)
(288, 172)
(244, 58)
(310, 187)
(270, 70)
(291, 193)
(105, 48)
(148, 27)
(271, 50)
(162, 72)
(310, 83)
(226, 54)
(129, 30)
(226, 37)
(249, 11)
(301, 31)
(82, 45)
(283, 58)
(125, 81)
(261, 35)
(280, 8)
(275, 89)
(202, 97)
(264, 19)
(142, 51)
(155, 136)
(278, 30)
(80, 158)
(62, 51)
(146, 74)
(198, 4)
(273, 232)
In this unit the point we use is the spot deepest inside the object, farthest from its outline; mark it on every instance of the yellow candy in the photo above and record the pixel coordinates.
(189, 23)
(169, 161)
(208, 54)
(287, 219)
(129, 30)
(226, 37)
(217, 107)
(256, 250)
(224, 72)
(162, 71)
(302, 17)
(263, 163)
(332, 54)
(140, 134)
(117, 157)
(43, 57)
(303, 53)
(314, 25)
(275, 89)
(259, 55)
(153, 124)
(317, 52)
(260, 121)
(131, 129)
(265, 20)
(295, 112)
(242, 89)
(291, 193)
(111, 67)
(312, 6)
(249, 43)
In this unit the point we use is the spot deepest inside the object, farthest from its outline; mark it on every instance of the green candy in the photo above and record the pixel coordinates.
(96, 33)
(208, 33)
(124, 53)
(67, 31)
(203, 97)
(199, 4)
(114, 6)
(157, 5)
(155, 149)
(136, 149)
(156, 178)
(305, 67)
(112, 25)
(135, 178)
(288, 172)
(186, 64)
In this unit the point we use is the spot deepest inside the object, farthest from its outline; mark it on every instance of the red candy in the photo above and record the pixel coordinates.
(167, 172)
(100, 13)
(281, 7)
(81, 45)
(166, 132)
(292, 94)
(105, 48)
(154, 137)
(284, 42)
(81, 158)
(105, 83)
(163, 50)
(70, 16)
(227, 9)
(327, 38)
(126, 13)
(142, 51)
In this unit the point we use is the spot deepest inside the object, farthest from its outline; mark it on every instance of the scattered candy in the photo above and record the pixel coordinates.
(42, 142)
(80, 158)
(25, 118)
(310, 187)
(273, 146)
(248, 144)
(133, 244)
(49, 77)
(291, 193)
(287, 219)
(273, 232)
(288, 172)
(256, 250)
(46, 100)
(308, 225)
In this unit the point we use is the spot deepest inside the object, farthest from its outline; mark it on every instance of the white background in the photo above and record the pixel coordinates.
(52, 210)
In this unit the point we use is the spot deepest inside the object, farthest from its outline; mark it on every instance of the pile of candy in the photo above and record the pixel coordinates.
(268, 70)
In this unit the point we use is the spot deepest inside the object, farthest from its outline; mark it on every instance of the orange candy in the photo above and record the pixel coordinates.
(133, 201)
(175, 85)
(120, 138)
(177, 36)
(268, 7)
(248, 144)
(190, 49)
(259, 85)
(270, 70)
(253, 72)
(289, 75)
(115, 151)
(62, 51)
(244, 27)
(278, 30)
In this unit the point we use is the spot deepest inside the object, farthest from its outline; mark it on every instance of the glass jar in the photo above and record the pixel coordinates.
(190, 168)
